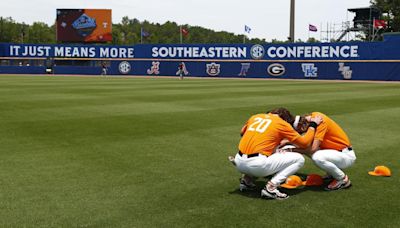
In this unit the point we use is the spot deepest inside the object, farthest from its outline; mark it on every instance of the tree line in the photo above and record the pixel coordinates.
(128, 31)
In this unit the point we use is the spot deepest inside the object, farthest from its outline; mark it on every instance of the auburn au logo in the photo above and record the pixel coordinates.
(213, 69)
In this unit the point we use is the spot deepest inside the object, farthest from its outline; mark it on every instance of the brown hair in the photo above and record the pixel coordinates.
(284, 114)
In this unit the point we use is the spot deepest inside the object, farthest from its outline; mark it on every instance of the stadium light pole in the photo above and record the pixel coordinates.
(292, 21)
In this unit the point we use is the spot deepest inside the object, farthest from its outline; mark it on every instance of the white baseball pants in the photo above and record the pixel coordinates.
(333, 161)
(281, 164)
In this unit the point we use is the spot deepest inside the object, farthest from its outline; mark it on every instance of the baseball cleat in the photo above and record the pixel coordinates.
(273, 193)
(339, 184)
(246, 186)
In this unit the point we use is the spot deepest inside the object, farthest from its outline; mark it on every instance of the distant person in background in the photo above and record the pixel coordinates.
(331, 149)
(49, 65)
(181, 70)
(103, 68)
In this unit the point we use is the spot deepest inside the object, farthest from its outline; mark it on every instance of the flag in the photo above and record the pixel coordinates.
(247, 29)
(312, 28)
(380, 24)
(184, 31)
(143, 33)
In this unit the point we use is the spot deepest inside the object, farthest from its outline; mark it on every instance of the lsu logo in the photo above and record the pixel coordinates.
(257, 51)
(245, 68)
(155, 68)
(276, 69)
(213, 69)
(124, 67)
(346, 71)
(310, 71)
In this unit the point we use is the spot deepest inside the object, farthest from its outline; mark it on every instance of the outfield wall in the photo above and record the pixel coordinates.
(346, 60)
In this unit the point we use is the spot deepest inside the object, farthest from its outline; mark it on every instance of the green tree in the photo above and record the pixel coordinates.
(391, 10)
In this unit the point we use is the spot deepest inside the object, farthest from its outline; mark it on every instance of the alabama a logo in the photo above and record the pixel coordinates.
(345, 70)
(155, 68)
(213, 69)
(310, 71)
(245, 68)
(124, 67)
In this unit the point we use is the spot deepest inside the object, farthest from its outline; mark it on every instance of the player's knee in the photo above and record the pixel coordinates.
(318, 158)
(300, 159)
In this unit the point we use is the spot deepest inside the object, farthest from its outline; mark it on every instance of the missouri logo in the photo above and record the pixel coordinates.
(276, 69)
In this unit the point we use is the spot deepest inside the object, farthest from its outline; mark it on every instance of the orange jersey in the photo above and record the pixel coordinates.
(330, 134)
(263, 132)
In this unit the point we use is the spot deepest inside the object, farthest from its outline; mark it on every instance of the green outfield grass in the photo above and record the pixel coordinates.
(152, 152)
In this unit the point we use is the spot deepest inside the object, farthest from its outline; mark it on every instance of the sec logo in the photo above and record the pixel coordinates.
(257, 51)
(124, 67)
(276, 69)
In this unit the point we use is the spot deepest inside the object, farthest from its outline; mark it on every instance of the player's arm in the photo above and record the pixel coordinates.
(305, 140)
(310, 150)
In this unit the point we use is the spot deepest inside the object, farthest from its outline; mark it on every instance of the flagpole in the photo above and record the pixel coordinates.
(180, 32)
(373, 29)
(308, 31)
(141, 35)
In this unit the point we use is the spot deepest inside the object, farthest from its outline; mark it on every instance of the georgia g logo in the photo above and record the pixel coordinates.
(124, 67)
(276, 69)
(257, 51)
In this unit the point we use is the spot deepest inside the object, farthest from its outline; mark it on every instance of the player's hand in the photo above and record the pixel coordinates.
(284, 142)
(318, 120)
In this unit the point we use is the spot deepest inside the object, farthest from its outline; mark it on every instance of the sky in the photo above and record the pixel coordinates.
(268, 19)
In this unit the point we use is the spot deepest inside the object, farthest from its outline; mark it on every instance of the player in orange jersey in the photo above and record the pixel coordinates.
(331, 149)
(259, 156)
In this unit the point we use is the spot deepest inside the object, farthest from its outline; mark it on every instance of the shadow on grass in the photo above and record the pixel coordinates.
(291, 192)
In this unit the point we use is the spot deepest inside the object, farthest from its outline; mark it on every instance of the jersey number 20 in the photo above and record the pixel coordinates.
(260, 125)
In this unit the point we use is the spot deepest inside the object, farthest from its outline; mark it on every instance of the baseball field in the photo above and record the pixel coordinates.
(152, 152)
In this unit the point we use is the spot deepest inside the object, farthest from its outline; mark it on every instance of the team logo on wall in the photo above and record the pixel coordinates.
(310, 71)
(213, 69)
(182, 69)
(155, 68)
(345, 70)
(257, 51)
(276, 69)
(245, 68)
(124, 67)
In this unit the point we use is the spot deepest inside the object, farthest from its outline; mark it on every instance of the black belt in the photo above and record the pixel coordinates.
(248, 155)
(348, 148)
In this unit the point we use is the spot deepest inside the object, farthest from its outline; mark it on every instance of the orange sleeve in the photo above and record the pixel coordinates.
(305, 140)
(321, 131)
(294, 137)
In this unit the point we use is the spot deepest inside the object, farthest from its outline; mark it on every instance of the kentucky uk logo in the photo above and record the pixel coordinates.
(213, 69)
(310, 71)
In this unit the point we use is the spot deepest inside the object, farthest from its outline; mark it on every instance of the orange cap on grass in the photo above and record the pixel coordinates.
(313, 180)
(381, 170)
(292, 181)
